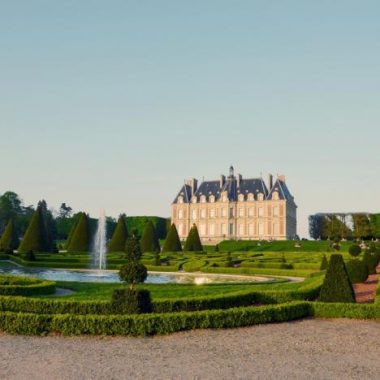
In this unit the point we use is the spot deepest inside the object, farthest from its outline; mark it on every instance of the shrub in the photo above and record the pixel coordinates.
(9, 239)
(337, 286)
(131, 301)
(80, 240)
(172, 242)
(133, 273)
(355, 250)
(357, 271)
(157, 259)
(193, 241)
(370, 259)
(149, 240)
(29, 256)
(230, 263)
(324, 263)
(23, 286)
(119, 237)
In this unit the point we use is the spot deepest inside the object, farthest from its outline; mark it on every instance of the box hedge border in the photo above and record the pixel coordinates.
(24, 286)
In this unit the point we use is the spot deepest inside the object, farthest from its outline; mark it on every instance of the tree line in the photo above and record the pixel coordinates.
(328, 226)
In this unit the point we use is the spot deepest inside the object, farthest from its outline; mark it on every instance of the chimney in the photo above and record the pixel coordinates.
(222, 180)
(193, 183)
(270, 181)
(239, 179)
(281, 178)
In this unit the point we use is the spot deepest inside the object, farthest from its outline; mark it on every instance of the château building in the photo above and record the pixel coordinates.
(235, 208)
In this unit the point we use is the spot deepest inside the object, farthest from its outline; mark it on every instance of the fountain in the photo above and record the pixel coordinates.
(99, 248)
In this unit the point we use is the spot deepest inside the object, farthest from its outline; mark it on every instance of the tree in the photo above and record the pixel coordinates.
(193, 241)
(9, 239)
(49, 228)
(149, 239)
(10, 208)
(362, 227)
(337, 286)
(324, 263)
(65, 211)
(172, 242)
(119, 237)
(35, 235)
(354, 250)
(80, 240)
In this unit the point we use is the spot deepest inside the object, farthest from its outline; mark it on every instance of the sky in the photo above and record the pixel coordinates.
(112, 104)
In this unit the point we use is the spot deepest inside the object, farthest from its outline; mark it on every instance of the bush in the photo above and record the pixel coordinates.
(324, 263)
(119, 237)
(34, 236)
(29, 256)
(149, 240)
(80, 240)
(370, 259)
(193, 241)
(131, 301)
(23, 286)
(357, 271)
(133, 273)
(9, 239)
(355, 250)
(337, 286)
(172, 242)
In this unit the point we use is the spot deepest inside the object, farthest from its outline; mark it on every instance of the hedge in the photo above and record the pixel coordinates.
(149, 324)
(345, 310)
(308, 292)
(22, 286)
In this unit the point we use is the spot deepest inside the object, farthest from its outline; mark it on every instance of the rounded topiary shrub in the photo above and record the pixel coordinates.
(133, 273)
(337, 286)
(355, 250)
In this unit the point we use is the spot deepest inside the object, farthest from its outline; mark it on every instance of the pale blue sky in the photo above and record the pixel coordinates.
(111, 104)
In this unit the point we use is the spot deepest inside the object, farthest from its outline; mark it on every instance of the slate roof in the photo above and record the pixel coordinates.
(282, 189)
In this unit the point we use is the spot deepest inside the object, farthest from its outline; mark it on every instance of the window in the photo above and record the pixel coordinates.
(241, 229)
(224, 212)
(231, 212)
(212, 199)
(224, 229)
(261, 229)
(194, 199)
(250, 229)
(180, 214)
(212, 229)
(251, 197)
(180, 199)
(241, 197)
(212, 213)
(194, 214)
(275, 211)
(180, 229)
(241, 212)
(261, 211)
(203, 213)
(231, 228)
(275, 196)
(260, 197)
(224, 198)
(203, 230)
(203, 199)
(276, 229)
(250, 212)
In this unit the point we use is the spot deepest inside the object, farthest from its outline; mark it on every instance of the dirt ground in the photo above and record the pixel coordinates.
(306, 349)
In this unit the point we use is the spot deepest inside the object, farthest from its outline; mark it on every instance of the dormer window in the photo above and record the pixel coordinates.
(251, 197)
(260, 197)
(241, 197)
(180, 199)
(275, 196)
(194, 200)
(212, 199)
(203, 199)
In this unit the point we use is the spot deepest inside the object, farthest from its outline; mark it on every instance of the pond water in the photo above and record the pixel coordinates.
(112, 277)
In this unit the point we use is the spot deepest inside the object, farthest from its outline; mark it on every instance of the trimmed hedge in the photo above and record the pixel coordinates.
(345, 310)
(23, 286)
(149, 324)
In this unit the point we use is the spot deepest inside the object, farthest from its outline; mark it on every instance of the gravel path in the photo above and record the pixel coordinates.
(307, 349)
(366, 292)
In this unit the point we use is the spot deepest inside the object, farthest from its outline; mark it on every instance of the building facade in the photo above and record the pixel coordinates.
(233, 208)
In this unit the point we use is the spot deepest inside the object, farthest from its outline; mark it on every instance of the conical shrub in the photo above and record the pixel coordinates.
(9, 239)
(71, 233)
(149, 240)
(80, 240)
(193, 241)
(336, 286)
(119, 237)
(34, 235)
(172, 242)
(324, 263)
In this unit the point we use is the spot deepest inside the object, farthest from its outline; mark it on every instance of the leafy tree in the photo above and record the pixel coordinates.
(337, 286)
(10, 208)
(65, 211)
(324, 263)
(119, 237)
(9, 239)
(149, 240)
(371, 261)
(172, 242)
(354, 250)
(362, 227)
(49, 228)
(80, 240)
(35, 238)
(193, 241)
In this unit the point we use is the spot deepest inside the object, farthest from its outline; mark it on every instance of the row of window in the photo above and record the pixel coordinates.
(214, 213)
(224, 229)
(241, 198)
